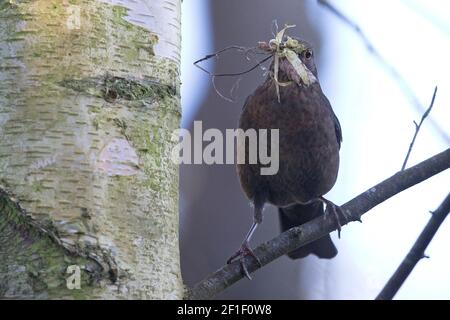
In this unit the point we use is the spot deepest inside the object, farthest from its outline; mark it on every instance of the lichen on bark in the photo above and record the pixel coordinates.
(81, 90)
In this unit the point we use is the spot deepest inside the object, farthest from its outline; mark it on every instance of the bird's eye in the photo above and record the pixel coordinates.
(307, 54)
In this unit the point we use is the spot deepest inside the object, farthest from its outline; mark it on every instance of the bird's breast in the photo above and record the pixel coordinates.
(308, 148)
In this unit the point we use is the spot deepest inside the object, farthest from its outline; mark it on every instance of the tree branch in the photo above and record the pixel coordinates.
(416, 253)
(319, 227)
(403, 84)
(418, 126)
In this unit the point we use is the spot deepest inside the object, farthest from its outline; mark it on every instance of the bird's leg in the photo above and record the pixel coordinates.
(337, 212)
(245, 250)
(245, 247)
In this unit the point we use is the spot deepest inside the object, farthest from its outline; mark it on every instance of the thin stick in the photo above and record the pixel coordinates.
(418, 126)
(258, 64)
(403, 84)
(216, 54)
(236, 84)
(416, 253)
(320, 227)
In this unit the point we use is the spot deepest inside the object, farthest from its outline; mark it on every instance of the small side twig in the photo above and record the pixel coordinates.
(403, 84)
(418, 126)
(416, 253)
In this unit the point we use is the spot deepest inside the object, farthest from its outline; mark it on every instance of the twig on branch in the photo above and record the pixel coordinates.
(320, 227)
(416, 253)
(418, 126)
(390, 68)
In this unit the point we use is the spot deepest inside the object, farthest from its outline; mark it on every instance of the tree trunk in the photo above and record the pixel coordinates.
(89, 98)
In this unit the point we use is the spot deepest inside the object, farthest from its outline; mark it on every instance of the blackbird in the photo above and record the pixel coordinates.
(309, 141)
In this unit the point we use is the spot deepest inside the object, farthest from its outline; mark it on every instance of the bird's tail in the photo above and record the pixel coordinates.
(298, 214)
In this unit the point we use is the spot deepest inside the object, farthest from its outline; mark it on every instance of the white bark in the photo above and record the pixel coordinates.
(89, 97)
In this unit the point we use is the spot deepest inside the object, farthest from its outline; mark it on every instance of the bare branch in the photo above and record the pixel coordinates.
(319, 227)
(418, 126)
(416, 253)
(403, 84)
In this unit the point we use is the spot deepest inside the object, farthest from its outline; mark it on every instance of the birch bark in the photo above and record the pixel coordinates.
(89, 98)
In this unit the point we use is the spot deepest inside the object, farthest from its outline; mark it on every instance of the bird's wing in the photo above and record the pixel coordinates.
(337, 125)
(246, 101)
(337, 128)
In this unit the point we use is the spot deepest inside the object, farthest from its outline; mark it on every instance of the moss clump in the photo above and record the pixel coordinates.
(120, 13)
(113, 88)
(132, 90)
(35, 261)
(4, 4)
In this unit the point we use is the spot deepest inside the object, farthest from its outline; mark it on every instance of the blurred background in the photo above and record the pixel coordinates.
(376, 114)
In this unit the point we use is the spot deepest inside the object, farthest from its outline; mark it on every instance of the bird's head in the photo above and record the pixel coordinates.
(306, 54)
(302, 70)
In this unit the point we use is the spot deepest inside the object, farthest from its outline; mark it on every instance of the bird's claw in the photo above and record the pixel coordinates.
(243, 251)
(337, 212)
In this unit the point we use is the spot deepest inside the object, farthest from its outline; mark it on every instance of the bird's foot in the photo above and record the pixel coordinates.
(243, 251)
(337, 213)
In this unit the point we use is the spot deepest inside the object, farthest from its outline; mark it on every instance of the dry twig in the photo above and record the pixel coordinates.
(418, 126)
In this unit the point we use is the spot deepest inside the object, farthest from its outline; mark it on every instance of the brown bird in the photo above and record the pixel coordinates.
(309, 141)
